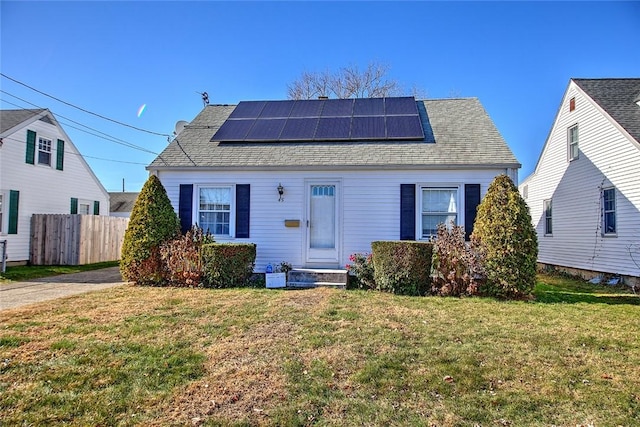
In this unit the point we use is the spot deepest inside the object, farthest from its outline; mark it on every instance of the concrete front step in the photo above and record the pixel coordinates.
(314, 277)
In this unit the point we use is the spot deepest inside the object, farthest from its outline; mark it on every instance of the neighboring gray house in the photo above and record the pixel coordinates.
(584, 194)
(122, 203)
(313, 181)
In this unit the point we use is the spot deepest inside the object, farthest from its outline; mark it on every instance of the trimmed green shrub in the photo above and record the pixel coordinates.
(456, 267)
(402, 267)
(507, 240)
(182, 258)
(152, 223)
(228, 265)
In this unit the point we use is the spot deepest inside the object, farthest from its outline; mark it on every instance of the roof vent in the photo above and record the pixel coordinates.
(637, 100)
(323, 97)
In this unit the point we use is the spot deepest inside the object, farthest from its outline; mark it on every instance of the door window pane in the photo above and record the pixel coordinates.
(322, 217)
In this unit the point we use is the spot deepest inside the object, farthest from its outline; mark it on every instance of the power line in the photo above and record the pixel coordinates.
(82, 109)
(106, 136)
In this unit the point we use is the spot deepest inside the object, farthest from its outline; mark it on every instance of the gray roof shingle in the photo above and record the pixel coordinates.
(122, 201)
(11, 118)
(464, 135)
(618, 98)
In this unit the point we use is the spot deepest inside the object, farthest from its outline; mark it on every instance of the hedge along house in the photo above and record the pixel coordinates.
(312, 181)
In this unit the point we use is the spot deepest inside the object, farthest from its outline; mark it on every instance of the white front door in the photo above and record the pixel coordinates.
(323, 237)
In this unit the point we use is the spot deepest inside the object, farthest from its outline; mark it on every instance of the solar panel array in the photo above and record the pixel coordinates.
(357, 119)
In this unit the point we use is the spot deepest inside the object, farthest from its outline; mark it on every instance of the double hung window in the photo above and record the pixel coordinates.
(439, 206)
(572, 143)
(548, 218)
(609, 211)
(214, 210)
(44, 151)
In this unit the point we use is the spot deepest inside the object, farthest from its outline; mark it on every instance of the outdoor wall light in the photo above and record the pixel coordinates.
(280, 192)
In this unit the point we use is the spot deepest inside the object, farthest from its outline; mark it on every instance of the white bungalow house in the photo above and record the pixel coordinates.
(41, 172)
(584, 195)
(312, 181)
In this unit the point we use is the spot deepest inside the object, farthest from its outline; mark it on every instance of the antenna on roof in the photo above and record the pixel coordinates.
(205, 98)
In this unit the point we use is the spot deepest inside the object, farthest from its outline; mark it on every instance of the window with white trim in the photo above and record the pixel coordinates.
(609, 211)
(214, 210)
(44, 151)
(572, 143)
(84, 208)
(439, 206)
(548, 218)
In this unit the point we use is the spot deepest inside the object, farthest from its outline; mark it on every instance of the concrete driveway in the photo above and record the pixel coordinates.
(18, 294)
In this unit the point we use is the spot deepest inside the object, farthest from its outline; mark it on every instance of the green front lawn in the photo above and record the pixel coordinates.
(168, 356)
(24, 272)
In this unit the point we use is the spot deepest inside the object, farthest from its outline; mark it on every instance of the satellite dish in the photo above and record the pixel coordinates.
(180, 125)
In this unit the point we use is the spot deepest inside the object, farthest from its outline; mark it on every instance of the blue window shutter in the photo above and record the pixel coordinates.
(185, 207)
(74, 205)
(407, 211)
(31, 147)
(96, 207)
(243, 202)
(60, 155)
(14, 199)
(471, 202)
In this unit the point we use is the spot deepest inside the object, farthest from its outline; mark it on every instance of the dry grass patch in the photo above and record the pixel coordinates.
(165, 356)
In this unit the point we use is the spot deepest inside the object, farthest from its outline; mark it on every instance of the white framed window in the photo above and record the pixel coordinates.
(439, 205)
(215, 209)
(44, 151)
(84, 208)
(548, 218)
(572, 143)
(609, 211)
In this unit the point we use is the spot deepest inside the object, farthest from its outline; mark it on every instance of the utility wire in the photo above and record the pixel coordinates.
(106, 136)
(82, 109)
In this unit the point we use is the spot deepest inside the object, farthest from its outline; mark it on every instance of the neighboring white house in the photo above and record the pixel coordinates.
(122, 203)
(312, 181)
(584, 195)
(41, 172)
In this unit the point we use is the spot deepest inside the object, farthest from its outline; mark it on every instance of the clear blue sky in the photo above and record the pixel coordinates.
(112, 57)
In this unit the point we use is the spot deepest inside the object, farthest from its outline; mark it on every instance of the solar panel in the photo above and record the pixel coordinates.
(337, 108)
(333, 128)
(401, 106)
(307, 108)
(233, 130)
(404, 127)
(277, 109)
(376, 119)
(247, 110)
(266, 130)
(299, 129)
(368, 107)
(368, 128)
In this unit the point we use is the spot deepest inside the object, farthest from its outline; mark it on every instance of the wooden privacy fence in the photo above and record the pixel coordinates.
(75, 239)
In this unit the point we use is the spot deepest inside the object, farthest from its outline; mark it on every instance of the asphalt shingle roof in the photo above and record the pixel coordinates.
(618, 98)
(122, 201)
(464, 136)
(11, 118)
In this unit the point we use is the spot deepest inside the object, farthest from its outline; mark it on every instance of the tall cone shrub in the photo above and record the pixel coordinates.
(507, 240)
(152, 223)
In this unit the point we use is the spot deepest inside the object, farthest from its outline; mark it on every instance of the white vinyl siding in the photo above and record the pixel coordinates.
(608, 159)
(369, 205)
(2, 214)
